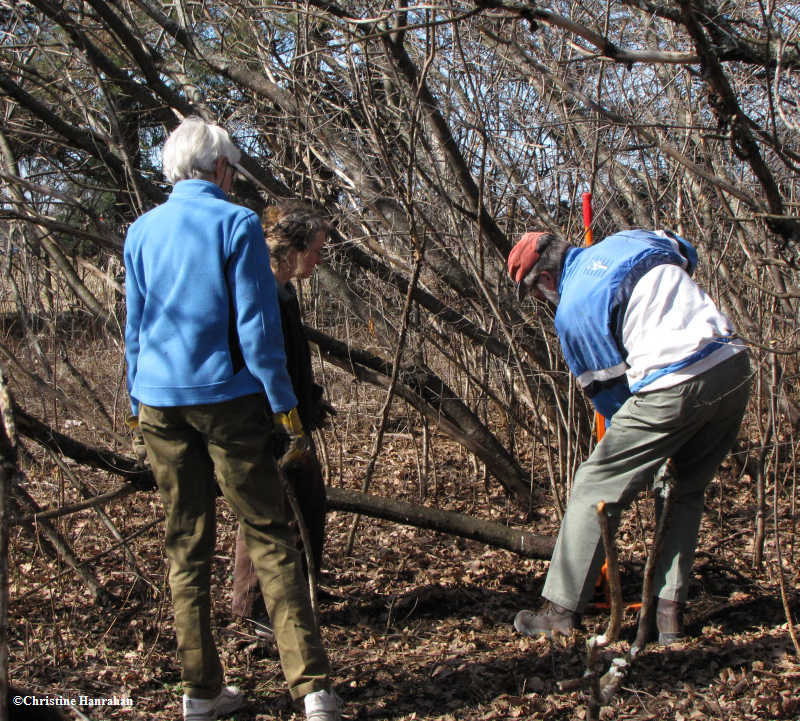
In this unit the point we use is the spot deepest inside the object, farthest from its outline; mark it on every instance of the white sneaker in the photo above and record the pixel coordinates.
(207, 709)
(322, 706)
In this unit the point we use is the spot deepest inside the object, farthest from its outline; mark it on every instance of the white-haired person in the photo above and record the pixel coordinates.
(657, 357)
(208, 383)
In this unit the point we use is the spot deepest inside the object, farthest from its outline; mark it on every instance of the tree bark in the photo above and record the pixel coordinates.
(521, 542)
(119, 465)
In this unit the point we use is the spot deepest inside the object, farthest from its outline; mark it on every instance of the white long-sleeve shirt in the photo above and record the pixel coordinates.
(668, 318)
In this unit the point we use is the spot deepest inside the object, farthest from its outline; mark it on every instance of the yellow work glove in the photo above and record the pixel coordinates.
(137, 441)
(296, 441)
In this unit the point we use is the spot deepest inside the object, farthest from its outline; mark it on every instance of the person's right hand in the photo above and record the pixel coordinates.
(297, 444)
(137, 440)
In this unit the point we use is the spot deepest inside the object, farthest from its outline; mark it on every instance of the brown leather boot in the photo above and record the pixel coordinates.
(669, 621)
(554, 620)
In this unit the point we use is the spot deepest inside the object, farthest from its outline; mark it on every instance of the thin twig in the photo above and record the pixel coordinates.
(93, 502)
(612, 680)
(390, 392)
(305, 537)
(778, 551)
(612, 576)
(96, 503)
(79, 566)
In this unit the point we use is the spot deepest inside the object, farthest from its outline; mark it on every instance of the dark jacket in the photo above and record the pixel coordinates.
(298, 360)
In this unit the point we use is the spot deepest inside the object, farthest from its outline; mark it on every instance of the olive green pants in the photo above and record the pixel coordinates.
(309, 488)
(695, 424)
(191, 449)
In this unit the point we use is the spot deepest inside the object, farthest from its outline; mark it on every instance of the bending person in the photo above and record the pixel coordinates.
(295, 233)
(651, 349)
(206, 372)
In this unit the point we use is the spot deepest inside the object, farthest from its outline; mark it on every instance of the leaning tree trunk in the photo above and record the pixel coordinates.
(8, 468)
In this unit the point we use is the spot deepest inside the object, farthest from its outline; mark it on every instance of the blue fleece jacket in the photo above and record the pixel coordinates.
(203, 323)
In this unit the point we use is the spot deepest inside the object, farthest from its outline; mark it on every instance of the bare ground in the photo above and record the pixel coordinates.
(418, 625)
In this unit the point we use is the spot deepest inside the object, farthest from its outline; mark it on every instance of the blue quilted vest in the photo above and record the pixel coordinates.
(596, 284)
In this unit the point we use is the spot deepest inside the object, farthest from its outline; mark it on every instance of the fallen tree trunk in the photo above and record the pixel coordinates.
(133, 472)
(494, 534)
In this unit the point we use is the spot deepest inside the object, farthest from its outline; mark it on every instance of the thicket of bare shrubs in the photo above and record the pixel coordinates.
(434, 135)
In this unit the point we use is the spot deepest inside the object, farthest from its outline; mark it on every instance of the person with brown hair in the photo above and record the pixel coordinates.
(295, 234)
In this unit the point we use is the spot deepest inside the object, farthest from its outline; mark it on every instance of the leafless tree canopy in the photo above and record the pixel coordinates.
(434, 134)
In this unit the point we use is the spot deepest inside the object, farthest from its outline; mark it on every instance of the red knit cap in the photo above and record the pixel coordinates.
(523, 256)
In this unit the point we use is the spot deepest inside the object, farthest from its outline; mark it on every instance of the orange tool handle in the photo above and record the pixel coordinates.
(586, 198)
(587, 217)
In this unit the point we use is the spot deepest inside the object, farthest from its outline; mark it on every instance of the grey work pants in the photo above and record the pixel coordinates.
(186, 447)
(695, 423)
